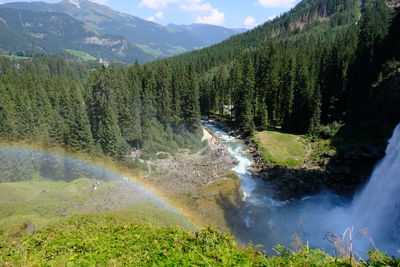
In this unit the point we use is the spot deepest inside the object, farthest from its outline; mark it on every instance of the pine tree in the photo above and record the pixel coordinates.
(315, 120)
(191, 105)
(79, 134)
(244, 104)
(103, 114)
(164, 94)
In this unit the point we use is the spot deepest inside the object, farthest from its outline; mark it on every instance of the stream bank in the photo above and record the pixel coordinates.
(342, 171)
(320, 219)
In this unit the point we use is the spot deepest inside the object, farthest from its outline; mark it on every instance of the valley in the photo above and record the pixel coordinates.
(39, 28)
(125, 142)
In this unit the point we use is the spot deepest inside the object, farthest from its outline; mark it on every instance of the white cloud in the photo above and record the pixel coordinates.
(277, 3)
(271, 17)
(157, 16)
(203, 12)
(215, 17)
(250, 22)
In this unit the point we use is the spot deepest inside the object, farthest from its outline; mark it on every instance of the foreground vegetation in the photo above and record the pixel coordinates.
(106, 240)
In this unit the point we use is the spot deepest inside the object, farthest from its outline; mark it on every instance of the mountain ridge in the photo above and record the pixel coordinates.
(207, 33)
(154, 39)
(38, 32)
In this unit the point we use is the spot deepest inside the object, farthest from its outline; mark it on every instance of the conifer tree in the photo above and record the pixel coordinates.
(191, 105)
(103, 114)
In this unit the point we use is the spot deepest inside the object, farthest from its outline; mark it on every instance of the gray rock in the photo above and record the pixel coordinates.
(28, 227)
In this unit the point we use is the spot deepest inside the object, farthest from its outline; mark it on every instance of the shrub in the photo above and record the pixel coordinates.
(327, 131)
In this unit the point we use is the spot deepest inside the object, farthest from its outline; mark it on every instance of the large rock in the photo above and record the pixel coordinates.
(220, 201)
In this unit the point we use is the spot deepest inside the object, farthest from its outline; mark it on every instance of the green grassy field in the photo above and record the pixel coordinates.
(281, 148)
(81, 55)
(46, 202)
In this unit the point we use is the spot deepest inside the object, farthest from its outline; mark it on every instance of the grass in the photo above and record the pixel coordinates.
(102, 240)
(176, 49)
(81, 55)
(281, 148)
(147, 49)
(46, 202)
(14, 57)
(109, 241)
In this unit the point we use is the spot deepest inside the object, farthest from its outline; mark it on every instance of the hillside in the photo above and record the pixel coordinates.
(36, 32)
(312, 95)
(317, 70)
(151, 38)
(309, 19)
(116, 241)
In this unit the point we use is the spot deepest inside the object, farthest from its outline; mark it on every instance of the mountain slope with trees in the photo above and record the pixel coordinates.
(304, 69)
(304, 72)
(152, 38)
(35, 32)
(327, 69)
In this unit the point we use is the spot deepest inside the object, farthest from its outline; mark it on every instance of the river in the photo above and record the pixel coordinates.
(321, 219)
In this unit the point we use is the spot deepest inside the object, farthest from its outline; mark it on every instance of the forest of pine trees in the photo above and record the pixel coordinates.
(326, 74)
(108, 111)
(300, 81)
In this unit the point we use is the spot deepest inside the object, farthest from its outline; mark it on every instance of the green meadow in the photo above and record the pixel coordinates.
(46, 202)
(281, 148)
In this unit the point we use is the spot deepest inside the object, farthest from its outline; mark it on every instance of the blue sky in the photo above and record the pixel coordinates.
(228, 13)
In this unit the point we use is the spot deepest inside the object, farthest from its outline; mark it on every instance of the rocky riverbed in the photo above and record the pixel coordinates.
(202, 182)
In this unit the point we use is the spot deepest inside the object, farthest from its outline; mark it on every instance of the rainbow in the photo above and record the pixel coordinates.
(97, 166)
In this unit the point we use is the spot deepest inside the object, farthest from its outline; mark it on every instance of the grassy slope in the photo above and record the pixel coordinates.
(81, 55)
(281, 148)
(110, 241)
(105, 241)
(46, 202)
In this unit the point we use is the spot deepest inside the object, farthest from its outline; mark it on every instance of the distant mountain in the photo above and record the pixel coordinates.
(33, 32)
(209, 34)
(153, 39)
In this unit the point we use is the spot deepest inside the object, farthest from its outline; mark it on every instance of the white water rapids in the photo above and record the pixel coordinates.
(374, 212)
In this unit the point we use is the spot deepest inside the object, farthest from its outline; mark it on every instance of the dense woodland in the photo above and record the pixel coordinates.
(309, 71)
(108, 111)
(303, 72)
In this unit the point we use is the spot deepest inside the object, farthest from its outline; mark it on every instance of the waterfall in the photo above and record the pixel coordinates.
(375, 210)
(377, 207)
